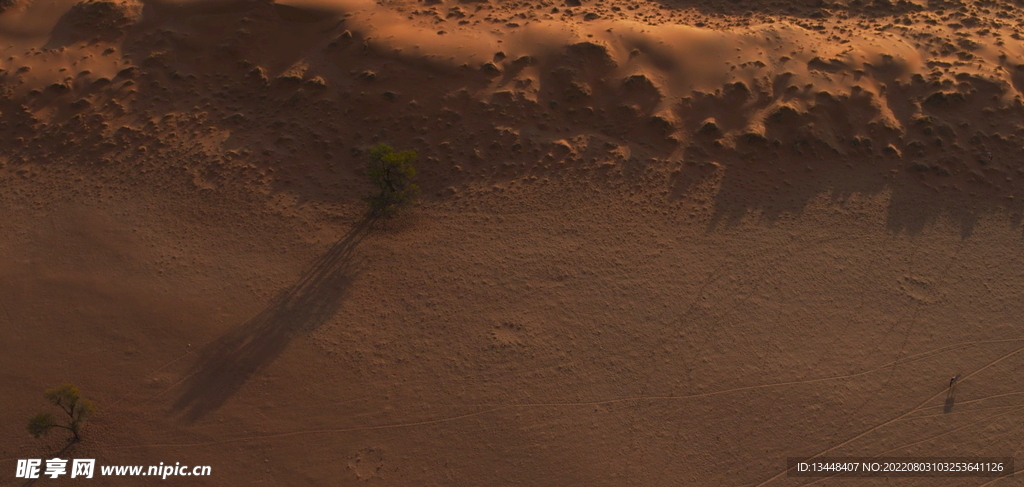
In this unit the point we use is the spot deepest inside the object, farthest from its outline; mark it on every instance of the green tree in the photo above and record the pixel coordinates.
(393, 173)
(76, 407)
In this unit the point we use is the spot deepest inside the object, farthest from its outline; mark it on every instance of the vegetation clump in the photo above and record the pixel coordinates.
(67, 398)
(393, 173)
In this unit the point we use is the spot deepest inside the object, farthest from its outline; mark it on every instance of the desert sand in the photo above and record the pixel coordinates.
(658, 243)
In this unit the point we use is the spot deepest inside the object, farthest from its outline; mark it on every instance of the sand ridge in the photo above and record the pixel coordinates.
(923, 104)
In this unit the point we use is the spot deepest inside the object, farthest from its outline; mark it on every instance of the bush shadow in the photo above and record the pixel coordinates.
(227, 363)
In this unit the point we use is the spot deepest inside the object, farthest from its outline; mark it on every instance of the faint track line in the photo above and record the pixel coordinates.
(1016, 408)
(890, 421)
(959, 413)
(997, 479)
(910, 325)
(500, 407)
(917, 309)
(1000, 435)
(980, 399)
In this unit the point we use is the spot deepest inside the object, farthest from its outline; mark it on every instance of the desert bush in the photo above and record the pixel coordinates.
(76, 407)
(393, 173)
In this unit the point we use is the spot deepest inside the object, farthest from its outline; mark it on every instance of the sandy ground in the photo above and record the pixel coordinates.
(662, 243)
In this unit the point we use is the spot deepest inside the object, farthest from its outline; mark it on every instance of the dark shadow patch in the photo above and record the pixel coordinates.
(93, 21)
(948, 407)
(230, 361)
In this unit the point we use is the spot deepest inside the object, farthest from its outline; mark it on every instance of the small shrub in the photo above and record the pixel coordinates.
(393, 173)
(76, 407)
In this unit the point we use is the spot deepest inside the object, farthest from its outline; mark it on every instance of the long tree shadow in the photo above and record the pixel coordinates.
(228, 362)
